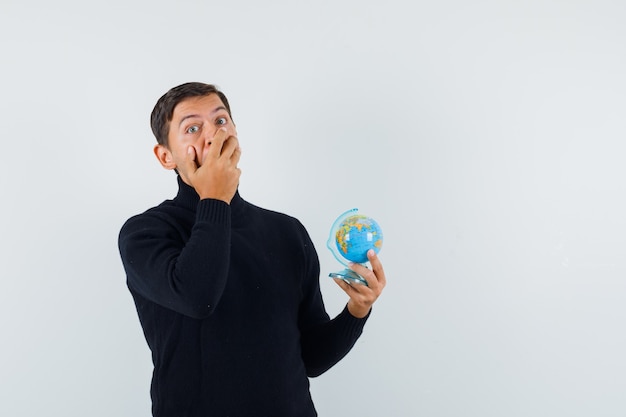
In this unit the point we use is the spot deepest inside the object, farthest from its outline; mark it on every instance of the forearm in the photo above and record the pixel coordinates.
(326, 344)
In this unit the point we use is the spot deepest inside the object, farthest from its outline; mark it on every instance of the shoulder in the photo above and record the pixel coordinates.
(288, 228)
(166, 215)
(278, 218)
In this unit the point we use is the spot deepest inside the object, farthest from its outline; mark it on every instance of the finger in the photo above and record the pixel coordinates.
(354, 289)
(365, 273)
(345, 286)
(217, 143)
(236, 156)
(189, 165)
(377, 267)
(231, 149)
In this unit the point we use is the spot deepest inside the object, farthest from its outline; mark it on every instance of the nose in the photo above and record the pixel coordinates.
(208, 137)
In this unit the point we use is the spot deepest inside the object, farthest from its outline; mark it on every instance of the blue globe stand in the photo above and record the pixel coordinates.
(348, 275)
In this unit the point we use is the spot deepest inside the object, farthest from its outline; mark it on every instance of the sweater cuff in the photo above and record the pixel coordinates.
(213, 211)
(351, 323)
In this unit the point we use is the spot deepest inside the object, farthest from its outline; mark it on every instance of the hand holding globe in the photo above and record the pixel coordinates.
(352, 235)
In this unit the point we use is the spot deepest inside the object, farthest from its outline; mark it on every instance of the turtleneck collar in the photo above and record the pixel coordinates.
(188, 198)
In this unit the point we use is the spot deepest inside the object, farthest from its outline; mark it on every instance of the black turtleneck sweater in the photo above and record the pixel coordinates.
(229, 300)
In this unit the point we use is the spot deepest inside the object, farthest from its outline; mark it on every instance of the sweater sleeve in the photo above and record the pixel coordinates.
(326, 344)
(187, 275)
(324, 341)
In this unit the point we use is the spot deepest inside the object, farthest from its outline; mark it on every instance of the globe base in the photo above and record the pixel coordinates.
(349, 276)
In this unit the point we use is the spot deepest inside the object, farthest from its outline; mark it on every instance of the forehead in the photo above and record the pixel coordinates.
(197, 105)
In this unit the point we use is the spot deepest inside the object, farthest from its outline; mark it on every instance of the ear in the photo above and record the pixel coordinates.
(164, 156)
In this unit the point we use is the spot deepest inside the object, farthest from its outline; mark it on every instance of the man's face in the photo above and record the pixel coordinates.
(194, 123)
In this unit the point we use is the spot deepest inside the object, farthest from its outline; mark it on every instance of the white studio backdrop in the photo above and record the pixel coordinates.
(487, 139)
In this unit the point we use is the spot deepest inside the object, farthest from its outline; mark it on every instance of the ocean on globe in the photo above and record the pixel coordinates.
(357, 234)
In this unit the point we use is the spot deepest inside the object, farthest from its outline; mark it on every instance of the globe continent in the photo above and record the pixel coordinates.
(356, 235)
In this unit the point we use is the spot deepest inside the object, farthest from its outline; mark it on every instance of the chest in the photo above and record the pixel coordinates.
(266, 272)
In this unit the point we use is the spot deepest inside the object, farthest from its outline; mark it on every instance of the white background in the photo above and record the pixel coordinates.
(486, 137)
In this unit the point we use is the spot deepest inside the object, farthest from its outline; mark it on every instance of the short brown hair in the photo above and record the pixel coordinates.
(164, 109)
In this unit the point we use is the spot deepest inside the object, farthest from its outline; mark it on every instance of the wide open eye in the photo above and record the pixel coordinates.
(193, 129)
(221, 121)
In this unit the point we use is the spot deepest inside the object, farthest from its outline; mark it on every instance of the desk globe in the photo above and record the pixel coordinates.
(351, 236)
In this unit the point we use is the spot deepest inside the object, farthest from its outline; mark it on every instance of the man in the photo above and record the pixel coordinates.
(228, 293)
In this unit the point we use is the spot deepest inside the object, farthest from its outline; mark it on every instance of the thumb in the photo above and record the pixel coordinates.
(188, 166)
(191, 154)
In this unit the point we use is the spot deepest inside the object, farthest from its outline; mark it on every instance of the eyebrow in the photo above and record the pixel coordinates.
(189, 116)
